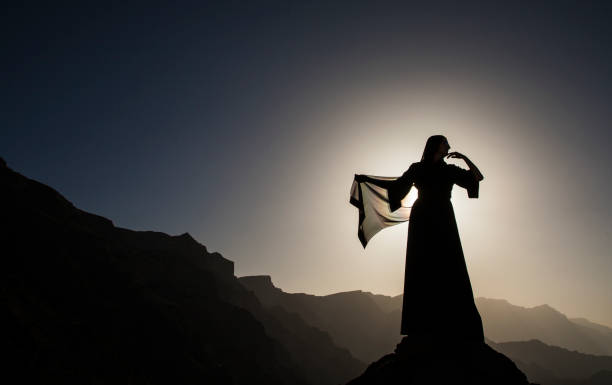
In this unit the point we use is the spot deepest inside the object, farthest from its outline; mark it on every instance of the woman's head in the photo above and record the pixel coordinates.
(436, 148)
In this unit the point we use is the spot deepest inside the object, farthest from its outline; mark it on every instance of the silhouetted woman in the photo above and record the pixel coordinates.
(438, 299)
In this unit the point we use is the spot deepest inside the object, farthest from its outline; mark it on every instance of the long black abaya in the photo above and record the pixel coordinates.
(438, 299)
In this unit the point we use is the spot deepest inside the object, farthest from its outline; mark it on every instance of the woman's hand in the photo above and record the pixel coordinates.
(475, 171)
(457, 155)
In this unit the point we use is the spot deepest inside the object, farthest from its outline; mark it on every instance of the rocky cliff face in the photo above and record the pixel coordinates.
(86, 302)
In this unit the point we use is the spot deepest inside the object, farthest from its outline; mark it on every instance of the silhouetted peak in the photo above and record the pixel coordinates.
(262, 279)
(548, 364)
(186, 236)
(29, 197)
(183, 247)
(547, 308)
(607, 330)
(550, 312)
(259, 283)
(540, 309)
(187, 240)
(2, 163)
(26, 189)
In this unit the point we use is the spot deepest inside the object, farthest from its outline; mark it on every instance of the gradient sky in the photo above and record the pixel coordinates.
(244, 124)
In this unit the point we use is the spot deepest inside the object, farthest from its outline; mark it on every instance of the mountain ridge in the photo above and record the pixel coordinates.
(503, 321)
(554, 367)
(88, 302)
(500, 318)
(372, 333)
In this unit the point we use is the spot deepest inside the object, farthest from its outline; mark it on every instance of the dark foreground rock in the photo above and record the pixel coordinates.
(85, 302)
(420, 362)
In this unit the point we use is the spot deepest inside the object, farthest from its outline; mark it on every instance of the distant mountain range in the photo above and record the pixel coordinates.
(552, 365)
(368, 325)
(503, 321)
(86, 302)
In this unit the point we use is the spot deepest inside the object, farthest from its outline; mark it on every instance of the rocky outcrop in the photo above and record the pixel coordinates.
(422, 362)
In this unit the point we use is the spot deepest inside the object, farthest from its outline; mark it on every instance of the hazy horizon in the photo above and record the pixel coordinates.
(244, 125)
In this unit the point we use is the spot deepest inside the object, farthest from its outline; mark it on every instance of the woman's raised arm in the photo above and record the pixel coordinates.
(473, 169)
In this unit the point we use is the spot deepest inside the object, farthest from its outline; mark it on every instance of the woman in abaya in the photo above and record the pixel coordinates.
(438, 299)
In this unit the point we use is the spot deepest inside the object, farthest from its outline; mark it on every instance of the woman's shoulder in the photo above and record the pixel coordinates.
(413, 170)
(420, 167)
(414, 167)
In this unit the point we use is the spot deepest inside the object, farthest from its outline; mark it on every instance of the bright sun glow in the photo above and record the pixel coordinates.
(408, 201)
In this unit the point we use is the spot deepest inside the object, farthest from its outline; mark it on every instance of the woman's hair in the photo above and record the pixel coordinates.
(431, 147)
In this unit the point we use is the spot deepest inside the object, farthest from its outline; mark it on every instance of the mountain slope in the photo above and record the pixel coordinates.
(552, 365)
(503, 321)
(87, 302)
